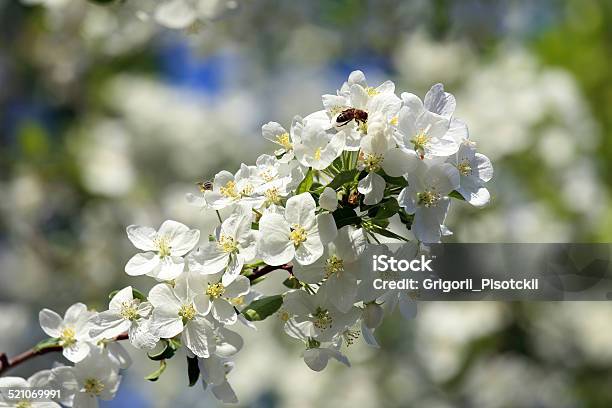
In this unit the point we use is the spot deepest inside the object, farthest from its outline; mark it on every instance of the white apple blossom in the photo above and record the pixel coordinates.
(356, 94)
(315, 317)
(235, 243)
(379, 153)
(178, 310)
(219, 294)
(164, 248)
(125, 314)
(427, 198)
(318, 148)
(72, 330)
(316, 358)
(292, 235)
(475, 170)
(96, 376)
(338, 267)
(423, 131)
(228, 189)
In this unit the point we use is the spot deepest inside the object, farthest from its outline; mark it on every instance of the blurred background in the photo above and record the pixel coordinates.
(107, 119)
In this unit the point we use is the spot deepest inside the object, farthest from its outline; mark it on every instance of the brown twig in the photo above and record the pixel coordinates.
(267, 269)
(6, 364)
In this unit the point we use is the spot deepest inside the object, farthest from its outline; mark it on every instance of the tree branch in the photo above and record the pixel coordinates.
(264, 270)
(6, 364)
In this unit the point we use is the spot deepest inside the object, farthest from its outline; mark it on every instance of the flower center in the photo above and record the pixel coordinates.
(428, 198)
(237, 301)
(317, 154)
(363, 127)
(420, 141)
(272, 196)
(93, 386)
(371, 162)
(350, 336)
(371, 91)
(464, 167)
(187, 313)
(322, 319)
(129, 311)
(68, 337)
(215, 290)
(163, 246)
(284, 141)
(283, 315)
(333, 265)
(394, 120)
(266, 175)
(229, 190)
(228, 244)
(297, 235)
(24, 404)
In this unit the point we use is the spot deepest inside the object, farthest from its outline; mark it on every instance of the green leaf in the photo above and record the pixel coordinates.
(345, 216)
(47, 343)
(456, 194)
(292, 282)
(395, 181)
(261, 308)
(386, 233)
(305, 185)
(342, 178)
(154, 376)
(406, 218)
(384, 210)
(135, 292)
(167, 352)
(193, 370)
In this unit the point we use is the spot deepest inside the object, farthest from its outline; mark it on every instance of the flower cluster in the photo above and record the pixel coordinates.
(371, 167)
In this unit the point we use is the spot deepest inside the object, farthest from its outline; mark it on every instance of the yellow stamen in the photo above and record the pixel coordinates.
(93, 386)
(229, 190)
(68, 337)
(163, 246)
(272, 196)
(322, 319)
(317, 154)
(187, 312)
(428, 198)
(297, 235)
(215, 290)
(333, 265)
(284, 140)
(129, 310)
(228, 244)
(464, 168)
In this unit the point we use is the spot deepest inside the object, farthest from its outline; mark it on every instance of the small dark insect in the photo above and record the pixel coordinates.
(205, 185)
(352, 114)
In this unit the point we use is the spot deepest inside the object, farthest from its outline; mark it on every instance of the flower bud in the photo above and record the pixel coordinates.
(328, 199)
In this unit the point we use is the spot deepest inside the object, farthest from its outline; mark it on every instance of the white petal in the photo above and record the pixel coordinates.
(50, 322)
(223, 311)
(240, 286)
(75, 313)
(327, 228)
(170, 268)
(184, 242)
(311, 249)
(108, 324)
(124, 295)
(142, 264)
(484, 167)
(165, 323)
(275, 247)
(225, 393)
(162, 295)
(440, 102)
(142, 237)
(373, 188)
(397, 162)
(76, 352)
(341, 292)
(328, 200)
(300, 209)
(196, 337)
(407, 306)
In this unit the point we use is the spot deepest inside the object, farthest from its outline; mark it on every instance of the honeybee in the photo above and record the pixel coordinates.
(358, 115)
(205, 185)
